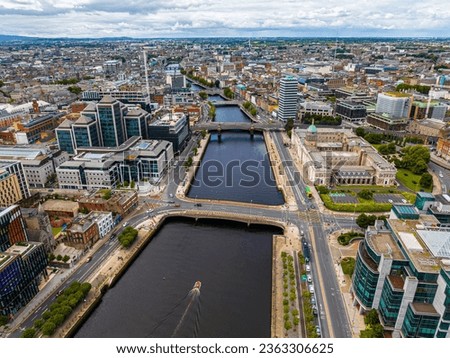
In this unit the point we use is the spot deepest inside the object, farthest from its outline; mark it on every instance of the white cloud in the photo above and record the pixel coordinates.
(154, 18)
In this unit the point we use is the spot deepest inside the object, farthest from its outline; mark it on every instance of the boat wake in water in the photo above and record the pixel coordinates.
(188, 309)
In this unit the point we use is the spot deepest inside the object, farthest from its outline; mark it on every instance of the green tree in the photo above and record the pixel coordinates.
(364, 220)
(203, 95)
(66, 258)
(59, 257)
(132, 184)
(365, 194)
(289, 125)
(287, 325)
(38, 323)
(360, 132)
(203, 133)
(371, 318)
(107, 194)
(3, 320)
(126, 183)
(75, 90)
(426, 180)
(48, 328)
(28, 333)
(189, 161)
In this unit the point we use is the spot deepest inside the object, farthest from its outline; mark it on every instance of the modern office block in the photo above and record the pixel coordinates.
(287, 108)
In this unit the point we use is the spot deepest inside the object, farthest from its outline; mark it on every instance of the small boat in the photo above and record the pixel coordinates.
(197, 285)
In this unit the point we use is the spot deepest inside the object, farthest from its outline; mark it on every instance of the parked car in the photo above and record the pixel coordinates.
(318, 331)
(308, 268)
(309, 279)
(311, 289)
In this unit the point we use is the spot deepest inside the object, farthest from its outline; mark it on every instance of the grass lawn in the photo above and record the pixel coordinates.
(56, 230)
(364, 206)
(348, 265)
(375, 188)
(406, 177)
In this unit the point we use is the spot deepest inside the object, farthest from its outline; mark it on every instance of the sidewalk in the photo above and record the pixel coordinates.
(439, 161)
(337, 252)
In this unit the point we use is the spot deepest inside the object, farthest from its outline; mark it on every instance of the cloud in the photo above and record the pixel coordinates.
(190, 18)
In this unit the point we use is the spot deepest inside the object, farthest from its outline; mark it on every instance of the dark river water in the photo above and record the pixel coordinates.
(154, 298)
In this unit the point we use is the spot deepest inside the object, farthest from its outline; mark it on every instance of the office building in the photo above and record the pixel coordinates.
(9, 188)
(38, 162)
(308, 108)
(12, 227)
(172, 127)
(110, 115)
(121, 202)
(403, 270)
(136, 123)
(103, 220)
(102, 167)
(287, 105)
(85, 132)
(136, 98)
(22, 267)
(65, 137)
(351, 111)
(387, 122)
(14, 167)
(395, 104)
(81, 233)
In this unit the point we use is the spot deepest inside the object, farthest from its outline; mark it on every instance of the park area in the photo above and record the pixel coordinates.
(363, 198)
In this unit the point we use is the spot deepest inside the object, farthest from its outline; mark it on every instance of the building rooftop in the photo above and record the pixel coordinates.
(424, 308)
(383, 243)
(415, 247)
(59, 205)
(397, 281)
(398, 94)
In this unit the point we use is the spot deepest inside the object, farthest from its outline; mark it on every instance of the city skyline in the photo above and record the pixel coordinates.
(194, 18)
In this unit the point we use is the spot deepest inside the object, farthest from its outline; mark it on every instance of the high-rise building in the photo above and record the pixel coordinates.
(110, 114)
(64, 135)
(9, 188)
(85, 132)
(403, 271)
(396, 104)
(15, 167)
(12, 227)
(22, 267)
(287, 107)
(136, 123)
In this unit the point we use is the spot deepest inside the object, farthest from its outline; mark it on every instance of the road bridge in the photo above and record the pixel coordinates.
(227, 126)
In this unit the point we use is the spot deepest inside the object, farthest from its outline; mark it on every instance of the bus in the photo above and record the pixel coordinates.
(308, 192)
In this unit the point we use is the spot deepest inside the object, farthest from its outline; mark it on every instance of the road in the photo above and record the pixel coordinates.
(328, 296)
(320, 253)
(445, 179)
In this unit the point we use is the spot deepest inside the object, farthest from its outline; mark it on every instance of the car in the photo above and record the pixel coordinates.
(197, 204)
(171, 195)
(318, 331)
(315, 312)
(308, 268)
(313, 300)
(309, 279)
(89, 259)
(125, 223)
(311, 289)
(441, 175)
(302, 233)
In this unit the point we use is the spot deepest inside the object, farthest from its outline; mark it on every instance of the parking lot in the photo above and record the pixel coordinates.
(388, 198)
(343, 198)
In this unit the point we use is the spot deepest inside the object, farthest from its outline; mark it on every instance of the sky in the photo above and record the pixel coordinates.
(230, 18)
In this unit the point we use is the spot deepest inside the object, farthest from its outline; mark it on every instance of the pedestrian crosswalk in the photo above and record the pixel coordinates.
(310, 216)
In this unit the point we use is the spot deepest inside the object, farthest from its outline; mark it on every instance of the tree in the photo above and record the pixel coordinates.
(289, 125)
(75, 90)
(371, 318)
(360, 132)
(287, 325)
(365, 194)
(132, 184)
(426, 180)
(188, 162)
(126, 183)
(3, 320)
(363, 220)
(107, 194)
(203, 95)
(48, 328)
(203, 133)
(415, 158)
(59, 257)
(66, 258)
(28, 333)
(376, 331)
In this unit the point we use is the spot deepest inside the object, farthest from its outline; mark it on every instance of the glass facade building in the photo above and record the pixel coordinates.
(397, 273)
(12, 227)
(111, 123)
